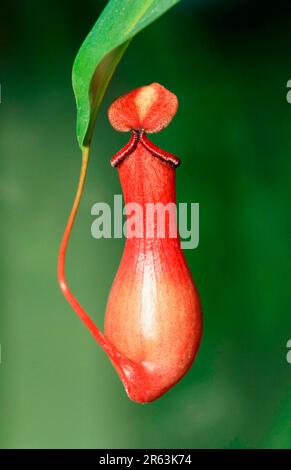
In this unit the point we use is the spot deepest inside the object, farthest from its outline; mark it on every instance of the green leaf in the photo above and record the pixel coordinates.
(101, 52)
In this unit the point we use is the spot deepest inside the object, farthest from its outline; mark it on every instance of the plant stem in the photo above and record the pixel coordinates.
(94, 330)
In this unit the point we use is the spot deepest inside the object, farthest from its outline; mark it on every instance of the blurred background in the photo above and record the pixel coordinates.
(229, 63)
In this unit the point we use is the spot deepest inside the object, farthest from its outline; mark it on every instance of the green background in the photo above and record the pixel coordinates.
(229, 63)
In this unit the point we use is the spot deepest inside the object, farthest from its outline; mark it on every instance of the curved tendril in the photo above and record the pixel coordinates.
(94, 330)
